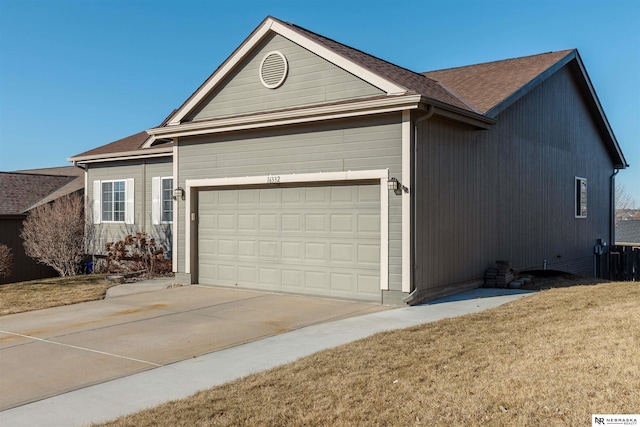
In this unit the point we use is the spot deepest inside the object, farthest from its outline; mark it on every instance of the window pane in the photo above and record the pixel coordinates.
(167, 200)
(118, 201)
(107, 201)
(113, 201)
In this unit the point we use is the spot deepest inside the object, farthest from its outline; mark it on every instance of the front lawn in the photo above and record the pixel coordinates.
(45, 293)
(552, 358)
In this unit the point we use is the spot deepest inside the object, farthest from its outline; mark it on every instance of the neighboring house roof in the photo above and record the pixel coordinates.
(628, 231)
(21, 191)
(479, 92)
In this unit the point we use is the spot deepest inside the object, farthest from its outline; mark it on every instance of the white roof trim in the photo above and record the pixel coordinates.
(271, 25)
(381, 83)
(261, 120)
(125, 155)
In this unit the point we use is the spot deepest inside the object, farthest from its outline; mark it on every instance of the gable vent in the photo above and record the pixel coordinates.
(273, 69)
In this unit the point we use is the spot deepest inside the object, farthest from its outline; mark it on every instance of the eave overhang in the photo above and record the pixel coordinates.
(125, 155)
(320, 113)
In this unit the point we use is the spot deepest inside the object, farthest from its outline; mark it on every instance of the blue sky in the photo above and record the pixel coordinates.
(77, 74)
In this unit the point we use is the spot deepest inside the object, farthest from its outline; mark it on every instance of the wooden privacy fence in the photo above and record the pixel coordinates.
(624, 263)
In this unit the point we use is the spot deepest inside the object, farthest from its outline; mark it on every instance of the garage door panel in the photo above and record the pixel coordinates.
(292, 223)
(226, 248)
(247, 222)
(343, 223)
(247, 248)
(342, 282)
(368, 223)
(227, 222)
(269, 222)
(342, 253)
(315, 280)
(369, 194)
(310, 240)
(291, 251)
(369, 254)
(269, 249)
(316, 195)
(268, 276)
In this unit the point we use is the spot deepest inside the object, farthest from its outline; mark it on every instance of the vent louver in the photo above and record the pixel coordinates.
(273, 69)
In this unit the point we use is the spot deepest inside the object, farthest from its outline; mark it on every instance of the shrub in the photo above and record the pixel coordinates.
(6, 261)
(53, 234)
(136, 253)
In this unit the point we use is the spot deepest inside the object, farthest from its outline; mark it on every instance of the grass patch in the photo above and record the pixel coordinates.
(553, 358)
(46, 293)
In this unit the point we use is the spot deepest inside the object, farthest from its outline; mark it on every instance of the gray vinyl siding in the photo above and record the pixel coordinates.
(508, 192)
(161, 232)
(358, 144)
(310, 80)
(141, 171)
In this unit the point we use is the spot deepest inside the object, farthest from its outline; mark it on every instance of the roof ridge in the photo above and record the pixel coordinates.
(355, 49)
(498, 60)
(411, 81)
(38, 174)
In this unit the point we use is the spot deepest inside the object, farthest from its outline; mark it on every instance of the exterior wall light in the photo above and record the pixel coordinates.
(178, 193)
(394, 184)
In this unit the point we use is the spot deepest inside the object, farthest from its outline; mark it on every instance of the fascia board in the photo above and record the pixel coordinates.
(222, 72)
(126, 155)
(605, 122)
(263, 120)
(271, 25)
(464, 116)
(593, 98)
(381, 83)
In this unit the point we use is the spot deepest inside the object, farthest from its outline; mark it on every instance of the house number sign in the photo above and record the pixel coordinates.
(273, 179)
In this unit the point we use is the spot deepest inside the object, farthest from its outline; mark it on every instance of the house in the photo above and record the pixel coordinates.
(303, 165)
(628, 233)
(22, 191)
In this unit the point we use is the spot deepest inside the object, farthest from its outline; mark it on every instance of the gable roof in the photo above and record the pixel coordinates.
(475, 94)
(628, 231)
(22, 191)
(487, 85)
(388, 77)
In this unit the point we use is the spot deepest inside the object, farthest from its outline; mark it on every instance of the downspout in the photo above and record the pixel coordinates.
(412, 298)
(612, 207)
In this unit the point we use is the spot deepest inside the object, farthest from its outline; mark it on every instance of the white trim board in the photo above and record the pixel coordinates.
(272, 25)
(380, 174)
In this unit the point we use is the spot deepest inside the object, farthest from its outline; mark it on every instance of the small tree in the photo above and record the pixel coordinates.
(625, 205)
(53, 234)
(6, 261)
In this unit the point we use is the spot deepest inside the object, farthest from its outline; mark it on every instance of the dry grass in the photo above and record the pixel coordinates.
(45, 293)
(553, 359)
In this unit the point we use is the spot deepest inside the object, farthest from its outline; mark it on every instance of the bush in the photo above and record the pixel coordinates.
(6, 261)
(136, 253)
(53, 234)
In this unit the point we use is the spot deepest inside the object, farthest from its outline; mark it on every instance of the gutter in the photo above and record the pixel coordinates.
(413, 298)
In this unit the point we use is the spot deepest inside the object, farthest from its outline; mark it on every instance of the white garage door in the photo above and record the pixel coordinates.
(311, 240)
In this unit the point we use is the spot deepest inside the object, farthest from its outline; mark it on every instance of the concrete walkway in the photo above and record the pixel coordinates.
(108, 400)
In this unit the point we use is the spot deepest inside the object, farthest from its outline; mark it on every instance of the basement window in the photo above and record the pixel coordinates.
(581, 197)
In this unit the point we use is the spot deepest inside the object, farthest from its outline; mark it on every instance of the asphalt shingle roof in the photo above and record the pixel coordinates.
(628, 231)
(488, 84)
(21, 191)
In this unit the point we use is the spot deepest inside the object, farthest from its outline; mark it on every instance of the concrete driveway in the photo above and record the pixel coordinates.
(49, 352)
